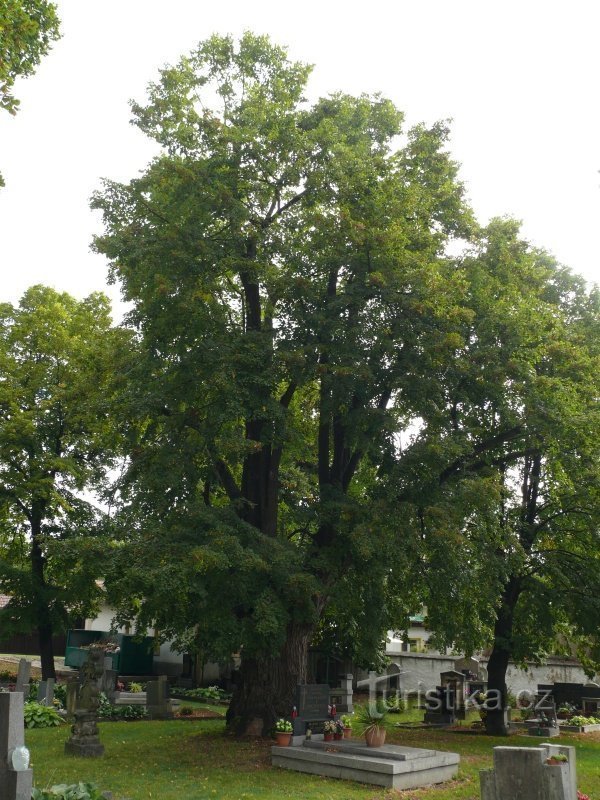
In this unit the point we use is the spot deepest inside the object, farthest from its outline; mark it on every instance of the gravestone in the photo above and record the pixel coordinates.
(84, 739)
(45, 693)
(157, 699)
(313, 708)
(342, 697)
(23, 675)
(522, 773)
(447, 704)
(16, 778)
(544, 722)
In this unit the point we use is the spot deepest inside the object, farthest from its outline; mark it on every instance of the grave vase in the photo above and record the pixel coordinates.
(375, 736)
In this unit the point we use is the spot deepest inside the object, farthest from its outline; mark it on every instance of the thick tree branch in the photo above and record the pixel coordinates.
(462, 463)
(227, 479)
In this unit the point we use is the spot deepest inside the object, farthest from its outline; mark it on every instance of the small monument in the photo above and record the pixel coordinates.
(342, 697)
(544, 722)
(312, 709)
(45, 693)
(531, 773)
(16, 778)
(157, 699)
(23, 675)
(84, 739)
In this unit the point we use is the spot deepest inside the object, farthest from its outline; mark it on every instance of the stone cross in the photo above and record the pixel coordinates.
(16, 779)
(23, 676)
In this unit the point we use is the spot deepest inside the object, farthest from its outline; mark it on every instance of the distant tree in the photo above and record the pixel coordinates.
(56, 442)
(510, 536)
(27, 30)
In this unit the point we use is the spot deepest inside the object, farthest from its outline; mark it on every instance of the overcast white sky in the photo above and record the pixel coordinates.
(519, 79)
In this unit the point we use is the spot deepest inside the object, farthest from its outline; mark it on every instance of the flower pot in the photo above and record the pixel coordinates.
(347, 733)
(375, 737)
(338, 736)
(283, 739)
(328, 737)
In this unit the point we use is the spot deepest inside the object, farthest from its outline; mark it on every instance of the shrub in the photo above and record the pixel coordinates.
(135, 688)
(396, 705)
(186, 711)
(38, 716)
(203, 693)
(63, 791)
(107, 711)
(6, 676)
(580, 720)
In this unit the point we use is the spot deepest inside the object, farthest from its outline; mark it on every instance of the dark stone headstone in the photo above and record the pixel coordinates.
(312, 707)
(157, 698)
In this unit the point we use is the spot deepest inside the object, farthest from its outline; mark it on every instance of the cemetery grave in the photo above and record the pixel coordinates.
(391, 766)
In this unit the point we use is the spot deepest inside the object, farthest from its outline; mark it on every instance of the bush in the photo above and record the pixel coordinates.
(7, 676)
(63, 791)
(583, 721)
(135, 688)
(107, 711)
(38, 716)
(396, 705)
(205, 693)
(186, 711)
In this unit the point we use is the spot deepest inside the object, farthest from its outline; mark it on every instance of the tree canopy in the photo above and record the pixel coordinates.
(297, 310)
(57, 441)
(27, 30)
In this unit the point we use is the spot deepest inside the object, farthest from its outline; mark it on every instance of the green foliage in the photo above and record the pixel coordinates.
(581, 720)
(186, 711)
(284, 726)
(134, 687)
(57, 440)
(27, 30)
(395, 704)
(203, 693)
(63, 791)
(369, 715)
(40, 716)
(299, 316)
(286, 270)
(107, 711)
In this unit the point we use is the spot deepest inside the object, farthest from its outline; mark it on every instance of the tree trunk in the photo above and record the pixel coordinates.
(45, 635)
(495, 721)
(44, 626)
(266, 687)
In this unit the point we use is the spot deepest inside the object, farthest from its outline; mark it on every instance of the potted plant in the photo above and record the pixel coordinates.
(347, 723)
(283, 732)
(328, 730)
(370, 719)
(339, 730)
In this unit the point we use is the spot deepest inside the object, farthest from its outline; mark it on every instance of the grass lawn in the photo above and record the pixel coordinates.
(194, 760)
